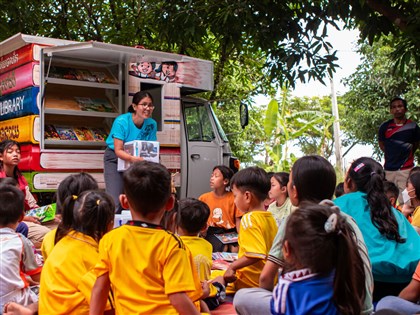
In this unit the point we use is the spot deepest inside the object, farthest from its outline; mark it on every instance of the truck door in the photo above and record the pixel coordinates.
(203, 145)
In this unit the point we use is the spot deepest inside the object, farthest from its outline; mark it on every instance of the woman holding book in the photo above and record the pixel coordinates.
(136, 124)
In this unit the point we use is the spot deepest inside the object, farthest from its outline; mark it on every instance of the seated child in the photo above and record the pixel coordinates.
(17, 257)
(9, 159)
(72, 185)
(391, 191)
(191, 220)
(22, 227)
(224, 215)
(339, 190)
(148, 268)
(281, 207)
(258, 227)
(67, 279)
(324, 267)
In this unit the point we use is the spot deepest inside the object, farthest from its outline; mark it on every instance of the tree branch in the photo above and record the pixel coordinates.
(391, 13)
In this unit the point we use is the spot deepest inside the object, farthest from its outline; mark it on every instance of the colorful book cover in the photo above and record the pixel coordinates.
(103, 105)
(44, 213)
(226, 256)
(83, 134)
(20, 103)
(220, 264)
(103, 77)
(18, 57)
(99, 134)
(20, 78)
(94, 105)
(148, 150)
(33, 160)
(50, 133)
(66, 133)
(85, 75)
(227, 238)
(60, 72)
(23, 129)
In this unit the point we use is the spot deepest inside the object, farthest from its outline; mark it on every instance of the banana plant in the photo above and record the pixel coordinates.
(285, 127)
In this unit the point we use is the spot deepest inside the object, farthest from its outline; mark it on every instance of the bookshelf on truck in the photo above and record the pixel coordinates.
(58, 98)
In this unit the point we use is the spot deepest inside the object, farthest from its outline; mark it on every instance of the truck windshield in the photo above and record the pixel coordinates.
(199, 127)
(219, 127)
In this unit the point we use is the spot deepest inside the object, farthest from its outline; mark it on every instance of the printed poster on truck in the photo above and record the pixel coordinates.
(192, 73)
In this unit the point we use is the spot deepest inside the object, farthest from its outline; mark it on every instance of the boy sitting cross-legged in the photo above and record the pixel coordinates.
(147, 268)
(17, 258)
(191, 220)
(258, 228)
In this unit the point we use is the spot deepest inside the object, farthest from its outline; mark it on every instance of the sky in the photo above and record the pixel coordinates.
(344, 42)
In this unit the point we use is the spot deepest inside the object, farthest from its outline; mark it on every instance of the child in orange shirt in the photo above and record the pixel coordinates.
(224, 215)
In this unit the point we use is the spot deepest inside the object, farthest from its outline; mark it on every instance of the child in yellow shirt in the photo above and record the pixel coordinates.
(147, 268)
(67, 278)
(72, 185)
(191, 220)
(250, 187)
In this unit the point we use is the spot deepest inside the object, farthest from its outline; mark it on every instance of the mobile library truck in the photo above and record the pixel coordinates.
(58, 98)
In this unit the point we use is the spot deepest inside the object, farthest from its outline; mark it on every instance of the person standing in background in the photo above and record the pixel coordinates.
(399, 139)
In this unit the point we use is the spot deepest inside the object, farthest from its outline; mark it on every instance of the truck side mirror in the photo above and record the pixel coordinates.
(243, 115)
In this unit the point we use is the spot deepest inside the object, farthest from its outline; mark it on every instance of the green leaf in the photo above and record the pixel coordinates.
(271, 114)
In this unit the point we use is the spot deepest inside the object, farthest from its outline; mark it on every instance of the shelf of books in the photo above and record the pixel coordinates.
(74, 136)
(81, 101)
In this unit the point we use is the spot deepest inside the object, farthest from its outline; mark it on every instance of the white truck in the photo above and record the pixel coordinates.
(58, 98)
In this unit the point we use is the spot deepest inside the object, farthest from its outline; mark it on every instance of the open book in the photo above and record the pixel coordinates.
(227, 238)
(44, 213)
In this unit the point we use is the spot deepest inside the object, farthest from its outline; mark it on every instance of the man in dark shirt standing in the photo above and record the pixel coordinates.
(399, 138)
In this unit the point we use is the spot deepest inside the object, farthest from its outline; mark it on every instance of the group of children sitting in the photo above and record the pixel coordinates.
(317, 257)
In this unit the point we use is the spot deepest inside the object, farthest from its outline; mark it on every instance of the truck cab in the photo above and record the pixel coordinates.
(204, 145)
(67, 94)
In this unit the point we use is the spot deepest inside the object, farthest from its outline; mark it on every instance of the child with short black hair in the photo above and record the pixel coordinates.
(191, 220)
(67, 279)
(324, 267)
(224, 215)
(17, 257)
(22, 228)
(258, 227)
(148, 268)
(339, 190)
(391, 191)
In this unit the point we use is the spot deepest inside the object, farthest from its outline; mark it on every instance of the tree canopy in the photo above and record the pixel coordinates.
(257, 46)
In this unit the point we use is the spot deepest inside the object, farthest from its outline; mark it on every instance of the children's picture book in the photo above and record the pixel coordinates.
(220, 264)
(94, 105)
(83, 134)
(84, 75)
(148, 150)
(66, 133)
(103, 77)
(51, 133)
(227, 238)
(44, 213)
(226, 256)
(62, 73)
(99, 134)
